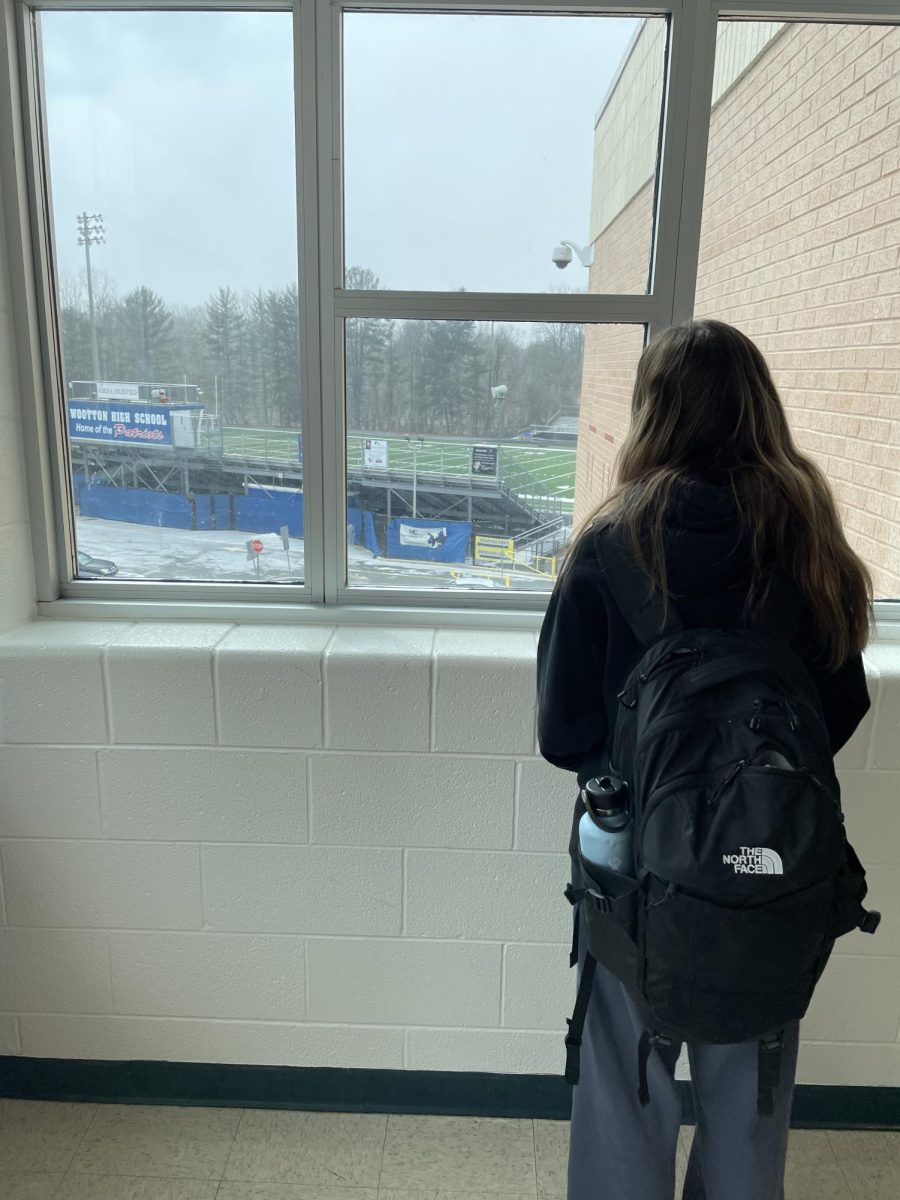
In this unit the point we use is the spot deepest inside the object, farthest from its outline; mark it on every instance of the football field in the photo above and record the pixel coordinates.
(527, 470)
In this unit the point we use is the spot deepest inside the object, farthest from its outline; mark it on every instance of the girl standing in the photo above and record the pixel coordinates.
(735, 527)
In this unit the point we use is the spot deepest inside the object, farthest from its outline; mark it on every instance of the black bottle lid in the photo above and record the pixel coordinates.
(605, 795)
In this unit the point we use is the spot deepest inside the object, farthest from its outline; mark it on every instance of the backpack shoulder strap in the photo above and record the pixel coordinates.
(636, 599)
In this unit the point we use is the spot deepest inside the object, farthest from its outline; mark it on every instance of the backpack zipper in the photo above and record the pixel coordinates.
(675, 658)
(672, 659)
(788, 772)
(729, 778)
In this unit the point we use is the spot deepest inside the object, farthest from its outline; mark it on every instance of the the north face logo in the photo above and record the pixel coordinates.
(755, 860)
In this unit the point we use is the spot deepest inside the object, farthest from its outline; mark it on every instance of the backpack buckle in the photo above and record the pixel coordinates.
(603, 902)
(572, 1039)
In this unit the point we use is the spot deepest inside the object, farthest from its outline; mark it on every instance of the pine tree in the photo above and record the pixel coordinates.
(225, 337)
(365, 344)
(146, 337)
(284, 355)
(450, 376)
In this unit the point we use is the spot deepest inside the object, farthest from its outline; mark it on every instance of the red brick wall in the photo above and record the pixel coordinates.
(800, 248)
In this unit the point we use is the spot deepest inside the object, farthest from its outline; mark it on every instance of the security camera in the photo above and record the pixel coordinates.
(562, 256)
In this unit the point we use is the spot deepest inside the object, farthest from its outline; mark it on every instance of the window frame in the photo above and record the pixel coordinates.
(325, 303)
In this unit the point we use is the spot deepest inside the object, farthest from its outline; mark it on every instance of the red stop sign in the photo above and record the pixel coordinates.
(256, 546)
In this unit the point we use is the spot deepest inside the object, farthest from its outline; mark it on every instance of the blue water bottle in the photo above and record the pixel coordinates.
(606, 831)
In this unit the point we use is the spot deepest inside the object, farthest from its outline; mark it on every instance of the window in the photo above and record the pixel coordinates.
(343, 304)
(170, 146)
(475, 143)
(480, 163)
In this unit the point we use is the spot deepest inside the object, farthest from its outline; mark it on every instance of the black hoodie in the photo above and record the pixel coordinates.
(586, 648)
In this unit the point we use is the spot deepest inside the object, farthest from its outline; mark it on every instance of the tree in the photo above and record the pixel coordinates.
(146, 340)
(75, 329)
(284, 354)
(451, 376)
(553, 363)
(259, 353)
(76, 326)
(225, 338)
(366, 340)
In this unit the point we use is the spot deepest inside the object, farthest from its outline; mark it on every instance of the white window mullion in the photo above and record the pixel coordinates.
(328, 80)
(305, 66)
(578, 307)
(691, 63)
(29, 238)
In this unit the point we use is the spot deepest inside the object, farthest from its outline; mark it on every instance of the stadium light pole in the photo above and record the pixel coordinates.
(91, 233)
(415, 444)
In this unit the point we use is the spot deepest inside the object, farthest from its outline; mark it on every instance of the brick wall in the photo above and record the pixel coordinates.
(611, 353)
(800, 248)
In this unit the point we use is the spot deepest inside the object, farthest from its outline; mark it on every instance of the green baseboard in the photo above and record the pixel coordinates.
(334, 1089)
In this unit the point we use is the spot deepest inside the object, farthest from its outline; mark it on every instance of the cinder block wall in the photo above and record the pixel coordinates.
(800, 248)
(330, 847)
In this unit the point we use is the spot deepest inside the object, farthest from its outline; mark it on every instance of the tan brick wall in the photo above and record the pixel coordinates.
(800, 248)
(611, 353)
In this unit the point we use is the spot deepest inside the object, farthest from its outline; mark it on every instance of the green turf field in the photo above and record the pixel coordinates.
(527, 470)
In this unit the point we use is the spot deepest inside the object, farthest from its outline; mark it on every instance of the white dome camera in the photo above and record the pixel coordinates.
(562, 256)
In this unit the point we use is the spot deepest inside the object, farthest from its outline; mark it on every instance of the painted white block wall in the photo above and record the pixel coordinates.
(175, 886)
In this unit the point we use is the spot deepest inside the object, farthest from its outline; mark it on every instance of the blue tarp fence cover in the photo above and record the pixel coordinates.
(433, 541)
(136, 505)
(260, 511)
(361, 530)
(207, 506)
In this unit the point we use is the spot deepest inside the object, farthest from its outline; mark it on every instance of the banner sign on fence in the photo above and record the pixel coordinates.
(417, 535)
(119, 391)
(422, 539)
(494, 549)
(109, 421)
(375, 453)
(484, 460)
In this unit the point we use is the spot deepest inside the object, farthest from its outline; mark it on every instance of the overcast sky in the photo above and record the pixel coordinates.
(468, 145)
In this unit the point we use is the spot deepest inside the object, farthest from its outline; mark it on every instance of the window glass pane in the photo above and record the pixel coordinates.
(475, 144)
(171, 156)
(461, 451)
(800, 245)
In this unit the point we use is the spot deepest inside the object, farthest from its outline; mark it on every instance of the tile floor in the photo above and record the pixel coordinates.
(123, 1152)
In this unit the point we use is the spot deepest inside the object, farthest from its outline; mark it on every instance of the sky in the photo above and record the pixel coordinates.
(468, 146)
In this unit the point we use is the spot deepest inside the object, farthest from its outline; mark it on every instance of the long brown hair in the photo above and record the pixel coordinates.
(704, 403)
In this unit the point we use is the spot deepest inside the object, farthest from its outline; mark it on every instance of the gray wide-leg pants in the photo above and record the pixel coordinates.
(621, 1151)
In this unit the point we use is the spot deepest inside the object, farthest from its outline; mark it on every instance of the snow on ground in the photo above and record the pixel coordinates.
(148, 552)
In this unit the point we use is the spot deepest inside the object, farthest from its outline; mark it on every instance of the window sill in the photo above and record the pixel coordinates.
(334, 615)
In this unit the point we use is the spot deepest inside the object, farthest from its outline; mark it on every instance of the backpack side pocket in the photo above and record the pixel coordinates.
(610, 914)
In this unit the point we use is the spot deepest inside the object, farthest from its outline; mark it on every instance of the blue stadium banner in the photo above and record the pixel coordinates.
(114, 421)
(433, 541)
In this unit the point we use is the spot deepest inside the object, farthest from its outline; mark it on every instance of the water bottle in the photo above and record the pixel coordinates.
(606, 831)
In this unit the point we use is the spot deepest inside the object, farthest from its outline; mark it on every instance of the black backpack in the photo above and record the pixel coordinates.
(744, 876)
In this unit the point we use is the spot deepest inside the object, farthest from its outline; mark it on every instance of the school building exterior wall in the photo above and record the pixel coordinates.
(800, 249)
